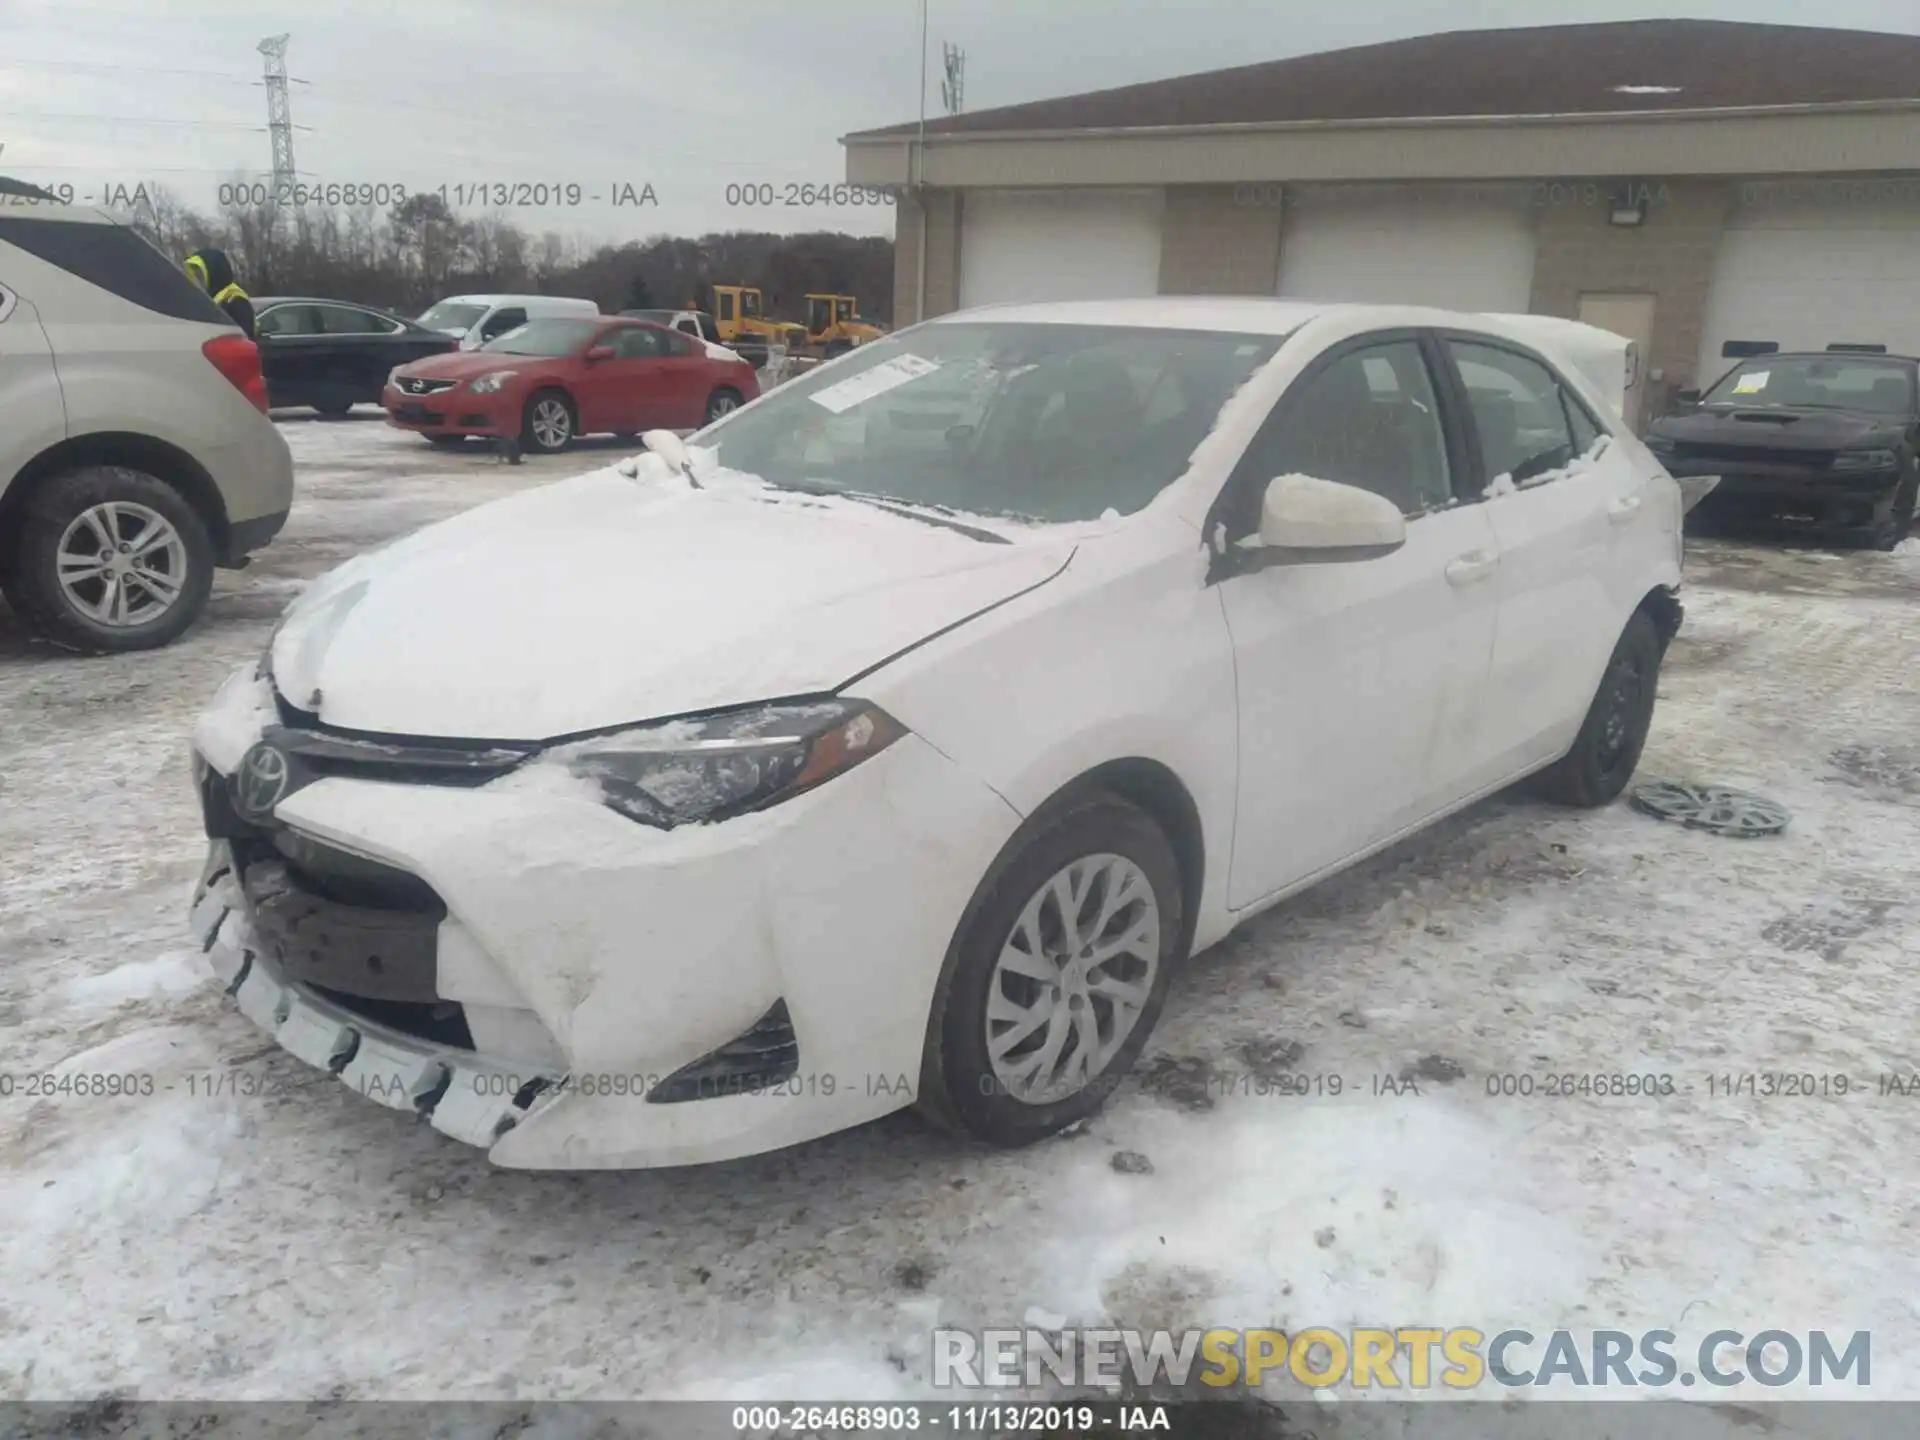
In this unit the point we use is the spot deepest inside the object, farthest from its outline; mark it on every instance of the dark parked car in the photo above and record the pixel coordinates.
(1831, 437)
(332, 355)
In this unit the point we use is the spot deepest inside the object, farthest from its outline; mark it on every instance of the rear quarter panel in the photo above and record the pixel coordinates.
(30, 398)
(125, 369)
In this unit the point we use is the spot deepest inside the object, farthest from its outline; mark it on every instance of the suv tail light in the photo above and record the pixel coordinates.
(238, 358)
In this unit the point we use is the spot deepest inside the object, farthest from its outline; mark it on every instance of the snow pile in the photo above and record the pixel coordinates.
(173, 973)
(1296, 1212)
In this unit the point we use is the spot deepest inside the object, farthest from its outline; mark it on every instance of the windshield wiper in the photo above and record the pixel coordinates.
(905, 509)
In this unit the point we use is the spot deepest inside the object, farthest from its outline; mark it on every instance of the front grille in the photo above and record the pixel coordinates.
(1756, 455)
(414, 385)
(401, 759)
(378, 954)
(420, 415)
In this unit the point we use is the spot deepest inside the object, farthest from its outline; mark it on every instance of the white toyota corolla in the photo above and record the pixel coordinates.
(896, 739)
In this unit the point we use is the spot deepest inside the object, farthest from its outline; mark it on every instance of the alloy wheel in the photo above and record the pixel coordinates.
(1072, 978)
(552, 424)
(121, 564)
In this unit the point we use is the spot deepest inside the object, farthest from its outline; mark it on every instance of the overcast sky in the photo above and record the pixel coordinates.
(688, 96)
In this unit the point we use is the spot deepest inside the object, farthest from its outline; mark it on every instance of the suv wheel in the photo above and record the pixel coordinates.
(109, 560)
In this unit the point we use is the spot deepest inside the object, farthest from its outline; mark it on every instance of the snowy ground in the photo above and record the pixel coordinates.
(257, 1231)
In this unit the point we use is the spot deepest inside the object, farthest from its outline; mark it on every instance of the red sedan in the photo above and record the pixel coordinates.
(552, 380)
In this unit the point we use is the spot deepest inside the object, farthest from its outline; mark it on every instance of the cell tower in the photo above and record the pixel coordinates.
(279, 113)
(953, 89)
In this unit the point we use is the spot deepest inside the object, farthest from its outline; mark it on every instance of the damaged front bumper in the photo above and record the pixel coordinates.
(534, 973)
(460, 1093)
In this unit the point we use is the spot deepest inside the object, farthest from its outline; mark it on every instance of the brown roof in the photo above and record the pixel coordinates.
(1543, 70)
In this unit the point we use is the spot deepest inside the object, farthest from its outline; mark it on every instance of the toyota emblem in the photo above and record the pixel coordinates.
(261, 781)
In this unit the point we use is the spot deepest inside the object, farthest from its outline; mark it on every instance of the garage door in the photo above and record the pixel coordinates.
(1811, 263)
(1465, 248)
(1059, 245)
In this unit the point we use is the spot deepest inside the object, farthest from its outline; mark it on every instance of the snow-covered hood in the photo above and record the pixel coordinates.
(602, 601)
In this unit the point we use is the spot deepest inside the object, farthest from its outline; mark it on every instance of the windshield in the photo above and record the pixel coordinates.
(451, 317)
(1881, 387)
(1042, 422)
(544, 337)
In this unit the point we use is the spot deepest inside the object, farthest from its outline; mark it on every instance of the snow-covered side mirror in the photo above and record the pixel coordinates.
(1329, 520)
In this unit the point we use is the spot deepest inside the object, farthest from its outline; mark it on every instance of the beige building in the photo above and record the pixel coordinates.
(1693, 184)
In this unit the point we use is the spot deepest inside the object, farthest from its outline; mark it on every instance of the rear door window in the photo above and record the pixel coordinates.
(346, 320)
(1520, 411)
(290, 320)
(116, 259)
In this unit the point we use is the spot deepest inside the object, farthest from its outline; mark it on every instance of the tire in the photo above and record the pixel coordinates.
(723, 401)
(1899, 521)
(1105, 843)
(544, 415)
(446, 442)
(161, 597)
(1614, 733)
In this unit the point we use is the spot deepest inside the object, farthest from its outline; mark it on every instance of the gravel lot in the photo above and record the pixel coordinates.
(253, 1230)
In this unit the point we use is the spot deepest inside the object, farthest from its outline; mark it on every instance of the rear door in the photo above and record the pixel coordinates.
(1361, 683)
(1568, 511)
(362, 347)
(293, 353)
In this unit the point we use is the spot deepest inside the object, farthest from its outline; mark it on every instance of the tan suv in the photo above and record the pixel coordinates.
(136, 455)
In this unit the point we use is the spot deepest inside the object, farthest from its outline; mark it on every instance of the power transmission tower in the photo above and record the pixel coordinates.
(953, 89)
(279, 113)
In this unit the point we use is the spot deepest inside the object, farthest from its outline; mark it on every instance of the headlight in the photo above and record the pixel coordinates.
(1864, 460)
(714, 767)
(490, 382)
(393, 377)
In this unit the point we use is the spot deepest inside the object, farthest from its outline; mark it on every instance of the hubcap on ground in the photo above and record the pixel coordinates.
(121, 564)
(1072, 978)
(551, 424)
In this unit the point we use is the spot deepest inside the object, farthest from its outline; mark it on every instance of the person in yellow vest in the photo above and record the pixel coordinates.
(212, 271)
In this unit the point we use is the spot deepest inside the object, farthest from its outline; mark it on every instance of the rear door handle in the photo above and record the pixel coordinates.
(1623, 509)
(1470, 569)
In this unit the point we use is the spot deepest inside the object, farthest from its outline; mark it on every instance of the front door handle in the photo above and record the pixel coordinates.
(1623, 509)
(1470, 569)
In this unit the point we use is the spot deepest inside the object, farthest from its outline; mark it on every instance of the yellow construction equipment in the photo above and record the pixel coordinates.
(738, 314)
(834, 325)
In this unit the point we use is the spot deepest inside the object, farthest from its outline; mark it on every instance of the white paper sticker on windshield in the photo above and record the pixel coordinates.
(1752, 383)
(887, 375)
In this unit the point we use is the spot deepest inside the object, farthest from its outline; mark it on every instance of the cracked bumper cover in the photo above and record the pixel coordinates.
(627, 953)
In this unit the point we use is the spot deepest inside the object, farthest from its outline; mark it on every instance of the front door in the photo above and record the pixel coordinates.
(1630, 316)
(1360, 682)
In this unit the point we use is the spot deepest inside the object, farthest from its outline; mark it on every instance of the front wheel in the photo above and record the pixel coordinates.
(549, 423)
(1614, 733)
(110, 559)
(1056, 977)
(722, 402)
